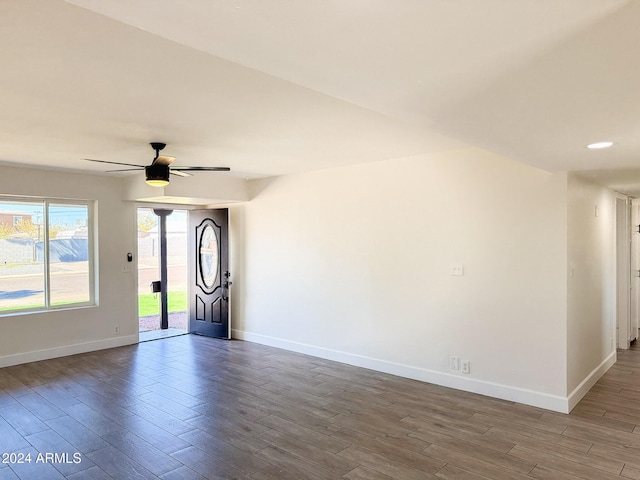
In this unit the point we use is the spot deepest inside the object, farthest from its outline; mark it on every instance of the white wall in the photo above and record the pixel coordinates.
(36, 336)
(354, 264)
(591, 285)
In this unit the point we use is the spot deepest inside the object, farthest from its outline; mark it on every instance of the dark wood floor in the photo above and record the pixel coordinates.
(190, 407)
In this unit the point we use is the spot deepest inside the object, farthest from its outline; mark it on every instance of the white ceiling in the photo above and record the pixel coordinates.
(269, 87)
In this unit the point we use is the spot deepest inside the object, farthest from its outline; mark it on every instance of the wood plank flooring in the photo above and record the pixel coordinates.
(191, 408)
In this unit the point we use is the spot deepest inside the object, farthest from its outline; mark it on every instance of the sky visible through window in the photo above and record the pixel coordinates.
(57, 216)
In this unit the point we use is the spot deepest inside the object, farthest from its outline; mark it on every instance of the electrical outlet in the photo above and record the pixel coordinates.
(454, 363)
(466, 366)
(116, 329)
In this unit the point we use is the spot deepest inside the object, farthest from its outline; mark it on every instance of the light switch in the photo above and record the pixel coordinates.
(457, 269)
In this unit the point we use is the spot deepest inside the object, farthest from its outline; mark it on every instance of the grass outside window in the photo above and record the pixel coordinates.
(149, 303)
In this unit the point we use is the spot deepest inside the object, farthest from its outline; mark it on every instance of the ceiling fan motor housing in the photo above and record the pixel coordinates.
(157, 173)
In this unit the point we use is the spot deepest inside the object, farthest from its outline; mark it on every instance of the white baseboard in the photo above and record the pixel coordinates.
(505, 392)
(582, 389)
(66, 350)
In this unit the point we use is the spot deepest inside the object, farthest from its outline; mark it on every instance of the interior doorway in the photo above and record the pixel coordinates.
(150, 268)
(625, 332)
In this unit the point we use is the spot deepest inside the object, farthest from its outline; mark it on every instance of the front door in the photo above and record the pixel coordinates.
(209, 273)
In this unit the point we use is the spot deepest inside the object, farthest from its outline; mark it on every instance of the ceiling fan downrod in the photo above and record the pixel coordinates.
(157, 146)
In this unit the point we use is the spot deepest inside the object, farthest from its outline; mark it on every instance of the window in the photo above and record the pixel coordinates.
(46, 259)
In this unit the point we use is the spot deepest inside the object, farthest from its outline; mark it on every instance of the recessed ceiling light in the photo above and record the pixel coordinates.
(599, 145)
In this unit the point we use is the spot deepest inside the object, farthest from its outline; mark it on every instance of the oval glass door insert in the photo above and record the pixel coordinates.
(208, 251)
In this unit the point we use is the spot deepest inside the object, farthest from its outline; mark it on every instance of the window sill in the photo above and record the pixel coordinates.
(76, 306)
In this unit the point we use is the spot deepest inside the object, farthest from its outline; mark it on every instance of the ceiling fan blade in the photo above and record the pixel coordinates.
(126, 169)
(114, 163)
(201, 169)
(163, 160)
(180, 174)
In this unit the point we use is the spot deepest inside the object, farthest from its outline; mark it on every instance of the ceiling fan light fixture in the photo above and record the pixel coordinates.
(157, 183)
(157, 175)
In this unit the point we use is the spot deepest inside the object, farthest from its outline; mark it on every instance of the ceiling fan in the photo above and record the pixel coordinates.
(157, 174)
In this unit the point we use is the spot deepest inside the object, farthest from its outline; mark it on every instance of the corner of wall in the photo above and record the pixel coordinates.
(590, 284)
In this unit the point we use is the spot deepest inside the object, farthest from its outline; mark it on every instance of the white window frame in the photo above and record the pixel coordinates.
(91, 240)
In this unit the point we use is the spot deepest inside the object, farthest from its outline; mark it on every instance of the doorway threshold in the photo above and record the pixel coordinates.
(158, 334)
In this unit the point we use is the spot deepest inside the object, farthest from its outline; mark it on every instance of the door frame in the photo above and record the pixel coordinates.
(155, 206)
(635, 267)
(623, 272)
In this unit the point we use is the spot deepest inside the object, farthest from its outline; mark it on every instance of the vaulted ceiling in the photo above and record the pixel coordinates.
(270, 87)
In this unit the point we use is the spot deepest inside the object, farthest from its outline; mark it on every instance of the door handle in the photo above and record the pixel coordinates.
(225, 289)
